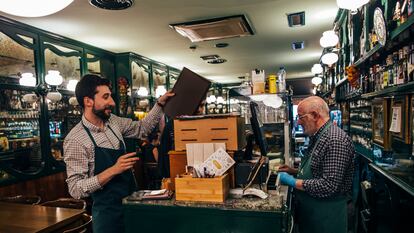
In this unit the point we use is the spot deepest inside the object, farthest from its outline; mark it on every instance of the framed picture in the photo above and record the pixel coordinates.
(399, 124)
(380, 122)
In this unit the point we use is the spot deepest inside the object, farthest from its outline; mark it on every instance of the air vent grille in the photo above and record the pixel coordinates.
(217, 61)
(214, 29)
(298, 45)
(296, 19)
(112, 4)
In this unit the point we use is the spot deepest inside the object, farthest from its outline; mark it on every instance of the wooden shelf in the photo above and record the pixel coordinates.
(399, 89)
(368, 55)
(395, 33)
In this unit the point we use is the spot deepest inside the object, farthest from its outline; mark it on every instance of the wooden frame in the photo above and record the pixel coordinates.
(380, 122)
(401, 102)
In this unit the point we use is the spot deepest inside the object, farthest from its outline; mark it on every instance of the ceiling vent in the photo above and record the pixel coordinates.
(214, 29)
(221, 45)
(298, 45)
(296, 19)
(209, 57)
(217, 61)
(112, 4)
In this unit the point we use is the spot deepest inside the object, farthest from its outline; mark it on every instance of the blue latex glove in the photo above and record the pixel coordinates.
(287, 179)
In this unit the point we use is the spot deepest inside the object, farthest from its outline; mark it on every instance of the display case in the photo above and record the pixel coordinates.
(380, 122)
(172, 77)
(159, 78)
(141, 88)
(361, 123)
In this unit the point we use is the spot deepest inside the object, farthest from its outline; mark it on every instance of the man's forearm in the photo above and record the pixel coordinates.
(105, 176)
(299, 184)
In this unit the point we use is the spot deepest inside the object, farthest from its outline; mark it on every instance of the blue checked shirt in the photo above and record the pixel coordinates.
(332, 163)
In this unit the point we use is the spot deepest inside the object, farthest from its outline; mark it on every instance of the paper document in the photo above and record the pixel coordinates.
(396, 120)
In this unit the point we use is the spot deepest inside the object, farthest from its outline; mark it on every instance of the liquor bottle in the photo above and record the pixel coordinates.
(410, 64)
(384, 76)
(404, 11)
(397, 13)
(410, 7)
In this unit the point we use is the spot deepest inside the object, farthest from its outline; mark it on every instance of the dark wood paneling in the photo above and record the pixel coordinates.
(48, 187)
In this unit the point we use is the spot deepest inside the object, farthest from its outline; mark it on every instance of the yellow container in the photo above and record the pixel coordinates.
(272, 84)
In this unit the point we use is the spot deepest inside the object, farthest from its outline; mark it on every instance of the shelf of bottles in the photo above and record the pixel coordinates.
(19, 129)
(63, 116)
(361, 123)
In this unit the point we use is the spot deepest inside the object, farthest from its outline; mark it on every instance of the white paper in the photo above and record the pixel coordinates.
(396, 120)
(218, 163)
(190, 154)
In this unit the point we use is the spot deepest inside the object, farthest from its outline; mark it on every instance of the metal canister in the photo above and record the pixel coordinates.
(272, 84)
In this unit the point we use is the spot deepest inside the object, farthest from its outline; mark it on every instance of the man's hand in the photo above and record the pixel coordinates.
(286, 168)
(124, 163)
(163, 99)
(287, 179)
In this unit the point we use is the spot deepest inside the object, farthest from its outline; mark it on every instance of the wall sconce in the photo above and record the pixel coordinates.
(329, 39)
(329, 58)
(27, 79)
(142, 91)
(316, 80)
(317, 69)
(72, 85)
(32, 8)
(160, 91)
(53, 78)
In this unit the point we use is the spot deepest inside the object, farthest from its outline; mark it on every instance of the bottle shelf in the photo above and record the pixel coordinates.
(395, 33)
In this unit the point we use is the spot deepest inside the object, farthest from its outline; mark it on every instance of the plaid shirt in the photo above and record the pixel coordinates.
(79, 151)
(332, 163)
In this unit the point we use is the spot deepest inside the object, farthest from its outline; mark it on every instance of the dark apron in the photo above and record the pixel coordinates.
(319, 215)
(107, 202)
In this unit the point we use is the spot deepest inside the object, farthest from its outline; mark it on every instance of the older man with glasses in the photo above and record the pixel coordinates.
(324, 179)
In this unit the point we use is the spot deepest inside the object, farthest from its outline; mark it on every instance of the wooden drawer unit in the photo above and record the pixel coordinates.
(229, 129)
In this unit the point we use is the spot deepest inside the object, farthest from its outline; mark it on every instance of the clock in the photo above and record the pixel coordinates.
(379, 26)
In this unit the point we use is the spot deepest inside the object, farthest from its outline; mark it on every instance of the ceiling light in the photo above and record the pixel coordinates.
(329, 39)
(53, 78)
(31, 8)
(296, 19)
(298, 45)
(351, 5)
(27, 79)
(211, 99)
(316, 80)
(329, 58)
(317, 69)
(72, 85)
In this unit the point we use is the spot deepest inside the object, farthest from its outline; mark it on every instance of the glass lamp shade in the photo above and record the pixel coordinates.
(351, 5)
(258, 98)
(72, 85)
(30, 98)
(317, 69)
(142, 91)
(27, 79)
(329, 39)
(53, 78)
(160, 91)
(220, 100)
(273, 101)
(33, 8)
(54, 96)
(316, 80)
(211, 99)
(329, 58)
(73, 101)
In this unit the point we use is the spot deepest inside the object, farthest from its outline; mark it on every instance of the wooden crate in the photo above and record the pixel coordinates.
(227, 129)
(178, 161)
(202, 189)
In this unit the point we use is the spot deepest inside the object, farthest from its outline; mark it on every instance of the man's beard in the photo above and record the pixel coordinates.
(101, 113)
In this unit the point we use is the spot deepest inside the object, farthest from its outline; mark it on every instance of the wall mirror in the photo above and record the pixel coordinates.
(16, 57)
(63, 59)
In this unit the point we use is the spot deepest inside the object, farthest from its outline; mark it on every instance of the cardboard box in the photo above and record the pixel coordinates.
(213, 190)
(227, 129)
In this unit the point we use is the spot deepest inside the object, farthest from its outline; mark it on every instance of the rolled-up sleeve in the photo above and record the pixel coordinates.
(338, 161)
(80, 183)
(139, 129)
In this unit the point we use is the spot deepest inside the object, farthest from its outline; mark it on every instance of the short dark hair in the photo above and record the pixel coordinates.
(86, 87)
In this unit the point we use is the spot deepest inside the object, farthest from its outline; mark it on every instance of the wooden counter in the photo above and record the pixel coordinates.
(19, 218)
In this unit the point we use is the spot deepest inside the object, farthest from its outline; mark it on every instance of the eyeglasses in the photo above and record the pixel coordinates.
(300, 117)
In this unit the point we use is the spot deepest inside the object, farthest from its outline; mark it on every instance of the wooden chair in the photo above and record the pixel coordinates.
(22, 199)
(66, 203)
(84, 227)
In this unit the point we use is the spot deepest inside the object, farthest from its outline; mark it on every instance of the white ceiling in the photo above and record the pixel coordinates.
(143, 29)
